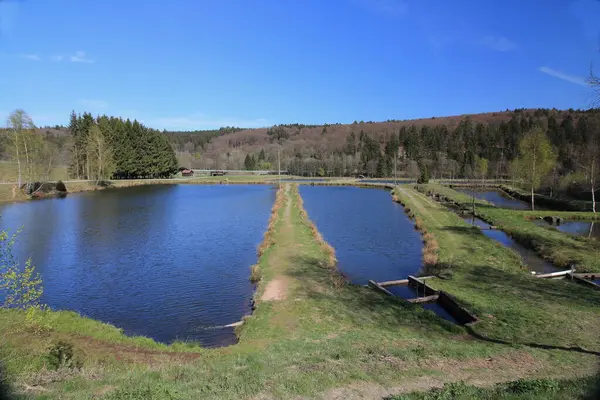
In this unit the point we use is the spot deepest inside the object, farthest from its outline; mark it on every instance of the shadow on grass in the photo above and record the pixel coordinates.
(576, 349)
(363, 305)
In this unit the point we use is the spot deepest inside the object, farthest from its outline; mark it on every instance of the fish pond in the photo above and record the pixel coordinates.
(170, 262)
(373, 238)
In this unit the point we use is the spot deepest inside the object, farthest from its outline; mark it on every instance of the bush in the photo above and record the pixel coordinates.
(62, 355)
(22, 286)
(61, 187)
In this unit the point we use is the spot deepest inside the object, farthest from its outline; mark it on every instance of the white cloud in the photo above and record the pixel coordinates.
(498, 43)
(578, 80)
(391, 8)
(201, 121)
(32, 57)
(81, 57)
(94, 104)
(57, 58)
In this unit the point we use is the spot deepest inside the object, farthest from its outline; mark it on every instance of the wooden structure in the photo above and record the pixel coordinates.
(430, 295)
(187, 172)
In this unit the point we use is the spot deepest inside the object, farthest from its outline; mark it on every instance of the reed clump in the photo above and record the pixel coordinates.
(255, 274)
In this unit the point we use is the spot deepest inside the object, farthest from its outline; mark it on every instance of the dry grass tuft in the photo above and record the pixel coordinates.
(255, 273)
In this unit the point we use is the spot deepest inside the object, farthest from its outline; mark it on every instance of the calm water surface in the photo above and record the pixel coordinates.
(168, 261)
(497, 198)
(372, 236)
(530, 257)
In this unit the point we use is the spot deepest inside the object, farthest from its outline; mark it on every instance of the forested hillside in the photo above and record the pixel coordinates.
(447, 147)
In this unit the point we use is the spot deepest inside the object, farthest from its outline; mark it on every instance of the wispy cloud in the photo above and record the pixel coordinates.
(81, 57)
(32, 57)
(578, 80)
(93, 104)
(57, 58)
(390, 8)
(203, 121)
(498, 43)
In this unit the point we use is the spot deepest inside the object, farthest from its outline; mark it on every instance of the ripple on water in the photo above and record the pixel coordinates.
(168, 261)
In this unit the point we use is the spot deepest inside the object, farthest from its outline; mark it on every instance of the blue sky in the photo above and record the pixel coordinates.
(184, 64)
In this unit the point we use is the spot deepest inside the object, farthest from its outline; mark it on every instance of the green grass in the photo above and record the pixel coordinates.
(540, 389)
(321, 340)
(560, 248)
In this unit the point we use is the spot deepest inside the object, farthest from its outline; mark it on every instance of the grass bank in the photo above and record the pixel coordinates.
(523, 389)
(561, 249)
(310, 338)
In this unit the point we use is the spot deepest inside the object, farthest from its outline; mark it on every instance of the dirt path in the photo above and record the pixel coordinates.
(278, 287)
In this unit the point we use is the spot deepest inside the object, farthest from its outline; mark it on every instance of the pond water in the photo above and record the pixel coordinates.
(307, 180)
(372, 236)
(167, 261)
(580, 228)
(497, 198)
(387, 181)
(531, 259)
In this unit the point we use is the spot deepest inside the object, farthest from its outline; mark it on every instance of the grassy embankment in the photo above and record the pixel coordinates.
(537, 389)
(487, 278)
(316, 338)
(560, 248)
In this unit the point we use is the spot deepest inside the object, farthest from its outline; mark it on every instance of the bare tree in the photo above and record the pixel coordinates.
(19, 123)
(100, 160)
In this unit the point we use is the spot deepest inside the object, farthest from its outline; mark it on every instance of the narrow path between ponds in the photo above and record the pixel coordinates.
(277, 288)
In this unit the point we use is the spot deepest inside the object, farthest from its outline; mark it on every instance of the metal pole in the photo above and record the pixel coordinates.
(395, 177)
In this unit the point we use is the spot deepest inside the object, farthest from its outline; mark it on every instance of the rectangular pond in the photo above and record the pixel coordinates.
(372, 236)
(167, 262)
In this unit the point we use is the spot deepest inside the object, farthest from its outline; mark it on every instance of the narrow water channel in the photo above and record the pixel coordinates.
(372, 236)
(532, 260)
(497, 198)
(168, 261)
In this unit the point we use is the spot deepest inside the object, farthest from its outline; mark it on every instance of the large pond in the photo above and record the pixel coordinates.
(169, 262)
(497, 198)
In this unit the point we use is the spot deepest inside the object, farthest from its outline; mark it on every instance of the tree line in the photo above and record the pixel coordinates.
(108, 147)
